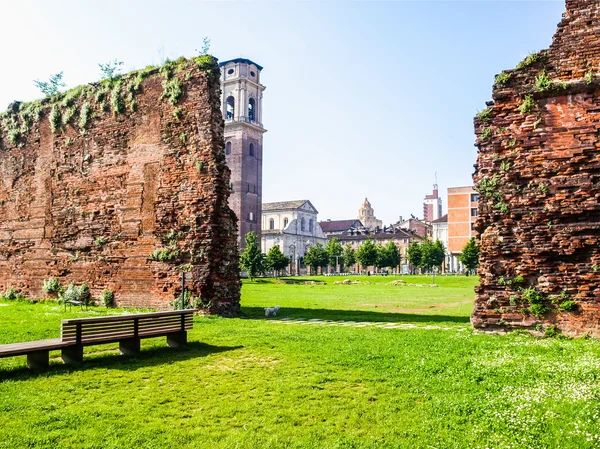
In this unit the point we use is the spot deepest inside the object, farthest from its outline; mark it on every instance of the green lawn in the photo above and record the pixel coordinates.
(251, 382)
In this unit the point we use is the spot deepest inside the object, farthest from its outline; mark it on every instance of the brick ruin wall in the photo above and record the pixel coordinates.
(538, 174)
(90, 203)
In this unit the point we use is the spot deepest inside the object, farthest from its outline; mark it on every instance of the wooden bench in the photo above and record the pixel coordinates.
(127, 330)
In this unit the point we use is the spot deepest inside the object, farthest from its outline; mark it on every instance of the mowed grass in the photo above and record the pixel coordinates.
(252, 382)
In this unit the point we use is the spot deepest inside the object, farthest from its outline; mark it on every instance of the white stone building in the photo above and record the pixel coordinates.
(440, 232)
(291, 225)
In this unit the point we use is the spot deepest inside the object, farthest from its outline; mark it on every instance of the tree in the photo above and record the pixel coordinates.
(391, 255)
(316, 256)
(414, 255)
(470, 255)
(52, 86)
(276, 260)
(349, 256)
(252, 260)
(367, 254)
(110, 70)
(432, 254)
(334, 248)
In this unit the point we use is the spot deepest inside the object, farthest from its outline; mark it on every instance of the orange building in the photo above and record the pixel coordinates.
(462, 214)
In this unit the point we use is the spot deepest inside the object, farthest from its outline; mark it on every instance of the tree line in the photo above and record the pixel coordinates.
(426, 255)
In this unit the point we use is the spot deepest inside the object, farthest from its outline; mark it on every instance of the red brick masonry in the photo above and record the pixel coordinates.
(538, 173)
(91, 203)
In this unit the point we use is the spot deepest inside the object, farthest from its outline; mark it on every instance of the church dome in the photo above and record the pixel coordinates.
(366, 204)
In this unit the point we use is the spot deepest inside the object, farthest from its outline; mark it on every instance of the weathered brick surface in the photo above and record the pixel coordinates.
(538, 173)
(90, 206)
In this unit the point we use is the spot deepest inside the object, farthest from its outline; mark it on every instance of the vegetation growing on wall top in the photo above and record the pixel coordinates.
(79, 106)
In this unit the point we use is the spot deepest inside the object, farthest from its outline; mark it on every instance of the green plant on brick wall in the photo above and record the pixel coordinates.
(537, 123)
(55, 118)
(484, 116)
(530, 59)
(542, 82)
(172, 90)
(52, 86)
(567, 306)
(589, 76)
(502, 78)
(527, 105)
(550, 331)
(486, 133)
(538, 309)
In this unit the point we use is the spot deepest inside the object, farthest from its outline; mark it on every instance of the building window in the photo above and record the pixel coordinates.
(473, 212)
(271, 224)
(252, 150)
(474, 197)
(310, 225)
(285, 222)
(251, 115)
(302, 225)
(228, 148)
(230, 108)
(250, 216)
(230, 72)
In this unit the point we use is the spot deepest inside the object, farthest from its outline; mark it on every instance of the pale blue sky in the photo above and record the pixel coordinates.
(364, 99)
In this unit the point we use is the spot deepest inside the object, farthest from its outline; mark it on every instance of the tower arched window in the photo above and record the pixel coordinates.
(302, 225)
(228, 148)
(271, 224)
(252, 149)
(230, 108)
(251, 109)
(285, 222)
(310, 225)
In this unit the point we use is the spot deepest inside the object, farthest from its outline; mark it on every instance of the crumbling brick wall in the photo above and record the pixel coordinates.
(96, 180)
(538, 174)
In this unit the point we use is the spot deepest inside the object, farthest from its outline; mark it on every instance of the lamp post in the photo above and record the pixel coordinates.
(293, 261)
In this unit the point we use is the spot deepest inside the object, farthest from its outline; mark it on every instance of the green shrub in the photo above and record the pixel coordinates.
(100, 241)
(551, 331)
(116, 102)
(12, 295)
(84, 115)
(76, 293)
(108, 298)
(52, 285)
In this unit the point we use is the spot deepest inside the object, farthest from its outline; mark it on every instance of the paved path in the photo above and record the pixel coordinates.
(342, 323)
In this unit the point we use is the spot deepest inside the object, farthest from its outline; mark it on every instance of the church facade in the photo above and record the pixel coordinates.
(293, 226)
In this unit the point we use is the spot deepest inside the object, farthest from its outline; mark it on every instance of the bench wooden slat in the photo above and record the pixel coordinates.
(27, 347)
(129, 317)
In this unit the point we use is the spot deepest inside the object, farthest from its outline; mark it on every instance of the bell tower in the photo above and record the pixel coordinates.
(241, 103)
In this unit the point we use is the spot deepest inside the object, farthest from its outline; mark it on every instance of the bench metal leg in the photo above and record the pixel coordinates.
(38, 360)
(130, 346)
(73, 355)
(177, 339)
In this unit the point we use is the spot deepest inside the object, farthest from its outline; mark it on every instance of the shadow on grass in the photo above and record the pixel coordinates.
(111, 358)
(352, 315)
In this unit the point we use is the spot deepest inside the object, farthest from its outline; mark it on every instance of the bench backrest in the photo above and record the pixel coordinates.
(121, 327)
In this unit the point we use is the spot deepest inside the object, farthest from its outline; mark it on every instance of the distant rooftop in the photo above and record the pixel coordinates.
(238, 60)
(285, 205)
(443, 219)
(339, 225)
